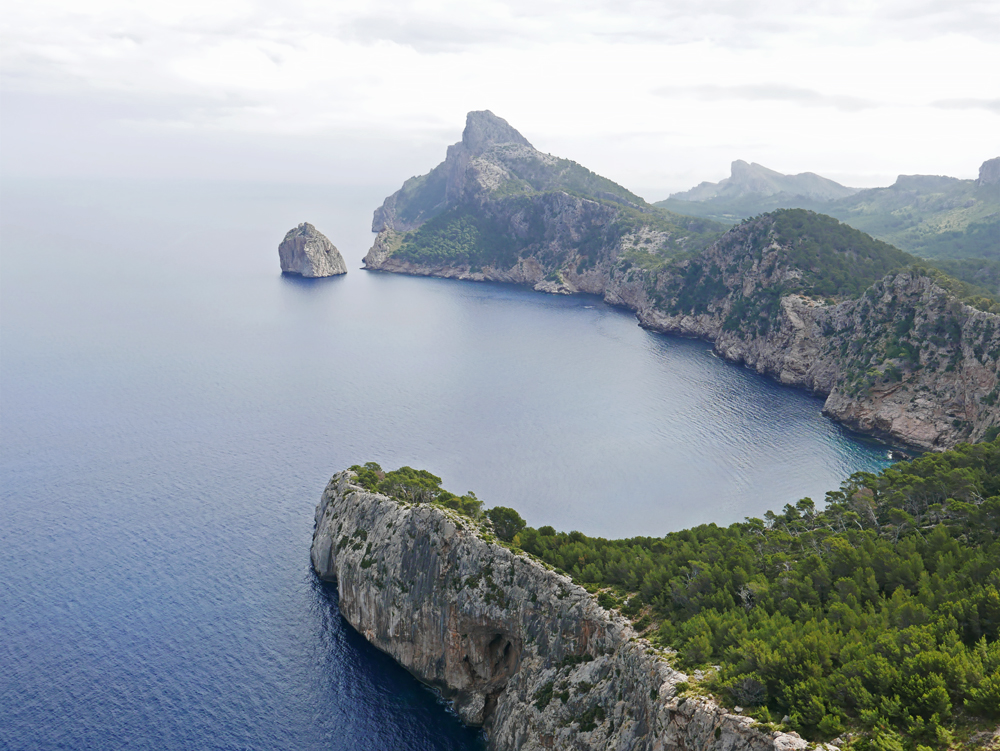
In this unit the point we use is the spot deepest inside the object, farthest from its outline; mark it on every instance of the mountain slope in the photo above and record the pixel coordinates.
(931, 216)
(802, 298)
(499, 209)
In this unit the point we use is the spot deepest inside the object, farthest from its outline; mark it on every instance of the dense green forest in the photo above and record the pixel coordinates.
(878, 614)
(931, 217)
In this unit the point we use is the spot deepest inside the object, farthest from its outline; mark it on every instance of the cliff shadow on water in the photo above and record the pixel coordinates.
(415, 704)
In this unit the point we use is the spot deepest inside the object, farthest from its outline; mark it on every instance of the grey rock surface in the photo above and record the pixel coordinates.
(989, 172)
(497, 632)
(306, 251)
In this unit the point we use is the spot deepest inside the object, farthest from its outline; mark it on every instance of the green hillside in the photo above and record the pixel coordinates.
(931, 217)
(519, 224)
(879, 613)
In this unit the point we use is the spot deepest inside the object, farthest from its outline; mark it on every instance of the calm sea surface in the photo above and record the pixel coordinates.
(172, 407)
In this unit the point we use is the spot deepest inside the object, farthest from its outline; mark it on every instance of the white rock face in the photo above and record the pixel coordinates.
(519, 649)
(306, 251)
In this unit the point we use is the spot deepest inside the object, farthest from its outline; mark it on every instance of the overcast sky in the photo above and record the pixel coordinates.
(655, 95)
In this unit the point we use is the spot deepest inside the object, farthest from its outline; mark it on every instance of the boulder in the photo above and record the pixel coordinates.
(306, 251)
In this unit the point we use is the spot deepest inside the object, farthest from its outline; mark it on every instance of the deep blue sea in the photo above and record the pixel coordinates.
(171, 407)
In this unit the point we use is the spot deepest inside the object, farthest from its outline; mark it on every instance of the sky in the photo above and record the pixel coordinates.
(658, 96)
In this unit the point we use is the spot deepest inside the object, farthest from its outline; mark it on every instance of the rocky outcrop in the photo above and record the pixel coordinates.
(422, 198)
(306, 251)
(517, 648)
(989, 172)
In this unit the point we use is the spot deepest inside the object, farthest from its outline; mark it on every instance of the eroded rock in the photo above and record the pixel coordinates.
(517, 648)
(306, 251)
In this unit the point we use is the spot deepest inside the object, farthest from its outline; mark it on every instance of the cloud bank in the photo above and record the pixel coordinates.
(657, 95)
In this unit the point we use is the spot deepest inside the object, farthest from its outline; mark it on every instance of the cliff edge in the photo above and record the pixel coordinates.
(518, 648)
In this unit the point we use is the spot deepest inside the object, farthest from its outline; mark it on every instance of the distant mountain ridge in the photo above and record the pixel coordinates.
(755, 179)
(931, 216)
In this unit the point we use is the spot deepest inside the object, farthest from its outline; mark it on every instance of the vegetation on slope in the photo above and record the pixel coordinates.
(879, 614)
(931, 217)
(520, 224)
(836, 260)
(749, 270)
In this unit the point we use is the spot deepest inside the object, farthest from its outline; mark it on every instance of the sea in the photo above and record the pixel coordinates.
(171, 407)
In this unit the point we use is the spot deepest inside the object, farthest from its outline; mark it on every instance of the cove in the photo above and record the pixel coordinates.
(172, 408)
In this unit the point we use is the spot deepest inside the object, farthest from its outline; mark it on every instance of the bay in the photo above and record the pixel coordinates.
(172, 407)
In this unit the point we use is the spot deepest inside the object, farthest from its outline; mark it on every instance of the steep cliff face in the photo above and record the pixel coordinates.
(517, 647)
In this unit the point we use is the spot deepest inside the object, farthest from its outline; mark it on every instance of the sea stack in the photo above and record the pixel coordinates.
(306, 251)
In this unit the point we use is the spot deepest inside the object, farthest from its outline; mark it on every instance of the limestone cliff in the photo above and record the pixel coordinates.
(518, 648)
(906, 360)
(306, 251)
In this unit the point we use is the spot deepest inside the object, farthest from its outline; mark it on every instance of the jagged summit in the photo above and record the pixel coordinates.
(755, 179)
(492, 159)
(483, 129)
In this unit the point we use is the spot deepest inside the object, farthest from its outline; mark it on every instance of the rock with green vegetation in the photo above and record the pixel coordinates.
(307, 252)
(878, 615)
(899, 350)
(498, 209)
(930, 216)
(517, 647)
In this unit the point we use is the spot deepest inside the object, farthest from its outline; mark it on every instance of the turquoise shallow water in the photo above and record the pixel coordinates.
(172, 407)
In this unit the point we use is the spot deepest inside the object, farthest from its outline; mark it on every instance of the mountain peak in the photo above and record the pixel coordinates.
(483, 129)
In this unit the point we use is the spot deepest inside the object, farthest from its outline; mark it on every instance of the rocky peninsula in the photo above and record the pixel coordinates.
(897, 349)
(307, 252)
(518, 648)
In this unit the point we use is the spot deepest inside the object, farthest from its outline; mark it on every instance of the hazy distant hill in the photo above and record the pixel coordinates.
(757, 181)
(931, 216)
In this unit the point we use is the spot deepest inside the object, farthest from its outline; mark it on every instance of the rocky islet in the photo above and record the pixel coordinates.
(307, 252)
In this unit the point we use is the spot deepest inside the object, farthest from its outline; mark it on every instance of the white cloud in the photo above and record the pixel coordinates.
(657, 95)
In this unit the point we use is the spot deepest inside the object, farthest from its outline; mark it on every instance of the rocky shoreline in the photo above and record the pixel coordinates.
(931, 410)
(518, 648)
